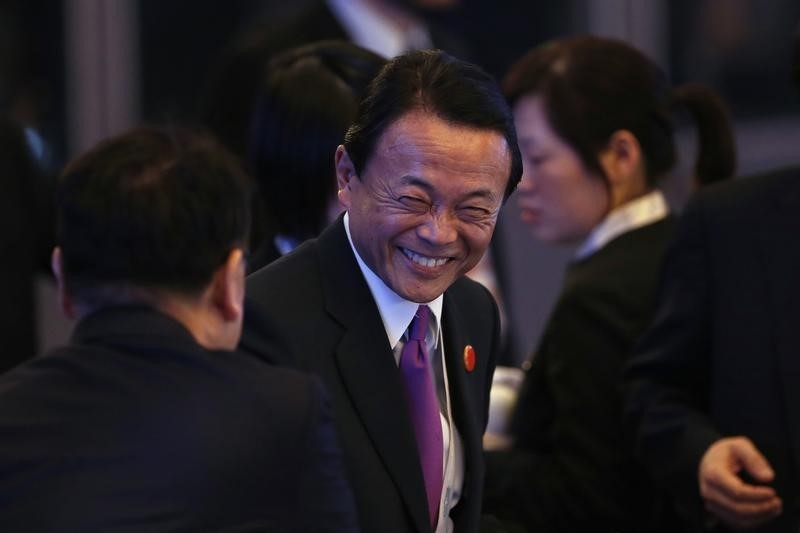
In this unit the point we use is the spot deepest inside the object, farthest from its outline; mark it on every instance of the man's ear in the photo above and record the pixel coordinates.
(64, 298)
(345, 174)
(227, 287)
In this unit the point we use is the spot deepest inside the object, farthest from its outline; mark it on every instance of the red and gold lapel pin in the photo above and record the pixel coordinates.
(469, 358)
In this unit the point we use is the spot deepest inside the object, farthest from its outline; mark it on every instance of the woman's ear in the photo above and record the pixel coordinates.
(621, 156)
(623, 163)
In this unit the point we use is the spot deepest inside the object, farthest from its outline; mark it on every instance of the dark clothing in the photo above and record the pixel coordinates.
(571, 468)
(26, 240)
(262, 255)
(314, 308)
(133, 426)
(723, 355)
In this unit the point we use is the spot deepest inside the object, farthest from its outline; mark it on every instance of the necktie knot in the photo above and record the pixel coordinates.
(419, 325)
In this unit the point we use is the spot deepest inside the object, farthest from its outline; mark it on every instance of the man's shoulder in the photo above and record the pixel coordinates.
(756, 192)
(465, 289)
(612, 268)
(291, 391)
(290, 273)
(305, 261)
(472, 301)
(125, 384)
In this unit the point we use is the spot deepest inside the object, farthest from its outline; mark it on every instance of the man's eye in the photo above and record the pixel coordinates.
(414, 202)
(475, 213)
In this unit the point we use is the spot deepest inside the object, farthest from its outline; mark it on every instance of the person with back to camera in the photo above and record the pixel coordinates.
(378, 304)
(306, 102)
(713, 385)
(594, 126)
(147, 420)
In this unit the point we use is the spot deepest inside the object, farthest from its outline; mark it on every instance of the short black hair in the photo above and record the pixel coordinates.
(150, 208)
(307, 100)
(433, 81)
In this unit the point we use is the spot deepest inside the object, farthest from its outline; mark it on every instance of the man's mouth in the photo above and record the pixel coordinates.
(422, 260)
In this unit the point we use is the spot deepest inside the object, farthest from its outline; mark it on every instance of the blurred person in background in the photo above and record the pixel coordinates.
(594, 124)
(306, 102)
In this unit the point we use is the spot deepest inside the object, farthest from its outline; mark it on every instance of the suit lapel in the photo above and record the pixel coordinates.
(461, 397)
(369, 371)
(778, 235)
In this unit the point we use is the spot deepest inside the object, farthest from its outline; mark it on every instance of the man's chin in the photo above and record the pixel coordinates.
(422, 294)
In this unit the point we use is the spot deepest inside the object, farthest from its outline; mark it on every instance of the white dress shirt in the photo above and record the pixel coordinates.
(396, 314)
(635, 214)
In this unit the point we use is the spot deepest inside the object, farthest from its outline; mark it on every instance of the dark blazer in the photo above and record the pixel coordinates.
(723, 355)
(133, 426)
(571, 468)
(315, 309)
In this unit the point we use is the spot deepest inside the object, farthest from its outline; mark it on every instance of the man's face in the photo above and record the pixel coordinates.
(424, 209)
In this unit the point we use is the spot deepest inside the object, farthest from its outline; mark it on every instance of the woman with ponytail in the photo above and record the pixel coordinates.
(594, 123)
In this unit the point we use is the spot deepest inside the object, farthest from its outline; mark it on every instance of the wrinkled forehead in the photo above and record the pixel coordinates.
(419, 134)
(426, 147)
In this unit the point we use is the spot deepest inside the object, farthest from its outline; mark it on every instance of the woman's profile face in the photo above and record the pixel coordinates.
(558, 196)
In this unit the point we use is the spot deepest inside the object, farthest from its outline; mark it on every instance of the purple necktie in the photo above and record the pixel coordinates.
(423, 407)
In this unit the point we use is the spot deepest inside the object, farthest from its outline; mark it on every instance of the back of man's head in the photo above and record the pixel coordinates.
(435, 82)
(149, 209)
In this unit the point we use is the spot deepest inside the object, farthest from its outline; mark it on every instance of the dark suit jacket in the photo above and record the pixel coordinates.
(723, 355)
(133, 426)
(571, 468)
(315, 309)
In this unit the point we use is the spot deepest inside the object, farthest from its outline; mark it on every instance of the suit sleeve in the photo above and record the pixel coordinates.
(668, 376)
(324, 495)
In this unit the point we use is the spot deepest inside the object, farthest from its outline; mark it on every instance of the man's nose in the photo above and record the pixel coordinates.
(439, 228)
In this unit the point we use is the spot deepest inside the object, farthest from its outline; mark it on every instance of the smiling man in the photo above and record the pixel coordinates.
(379, 306)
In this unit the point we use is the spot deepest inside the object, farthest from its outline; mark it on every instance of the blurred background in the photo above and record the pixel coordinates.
(76, 71)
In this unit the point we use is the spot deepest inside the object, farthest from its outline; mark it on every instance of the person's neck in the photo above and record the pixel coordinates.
(200, 319)
(193, 312)
(628, 191)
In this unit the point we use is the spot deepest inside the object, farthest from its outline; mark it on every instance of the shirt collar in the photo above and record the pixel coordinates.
(370, 28)
(635, 214)
(396, 312)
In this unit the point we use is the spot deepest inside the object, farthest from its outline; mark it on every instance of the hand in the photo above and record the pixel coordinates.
(729, 498)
